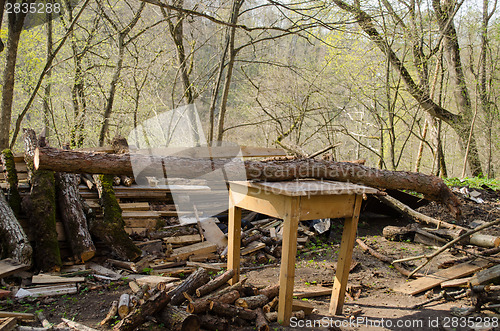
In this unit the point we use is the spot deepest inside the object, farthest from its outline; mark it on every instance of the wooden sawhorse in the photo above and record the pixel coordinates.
(296, 201)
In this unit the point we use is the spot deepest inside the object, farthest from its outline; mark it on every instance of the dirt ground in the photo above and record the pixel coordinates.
(378, 306)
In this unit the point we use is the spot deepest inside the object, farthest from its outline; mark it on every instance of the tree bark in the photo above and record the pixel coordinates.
(252, 302)
(215, 283)
(73, 217)
(176, 319)
(84, 162)
(110, 229)
(193, 282)
(214, 323)
(41, 208)
(227, 310)
(15, 243)
(12, 192)
(270, 291)
(261, 322)
(15, 23)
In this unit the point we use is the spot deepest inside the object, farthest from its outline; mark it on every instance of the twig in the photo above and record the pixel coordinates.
(321, 151)
(454, 241)
(383, 258)
(442, 295)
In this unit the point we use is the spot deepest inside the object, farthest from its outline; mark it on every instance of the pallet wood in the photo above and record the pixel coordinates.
(140, 223)
(134, 206)
(430, 281)
(140, 214)
(51, 279)
(53, 290)
(217, 266)
(456, 282)
(195, 249)
(9, 267)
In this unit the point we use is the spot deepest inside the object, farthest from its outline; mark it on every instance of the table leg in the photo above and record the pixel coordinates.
(344, 260)
(288, 253)
(234, 243)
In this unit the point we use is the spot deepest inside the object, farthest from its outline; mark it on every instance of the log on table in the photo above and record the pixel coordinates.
(215, 283)
(252, 302)
(176, 319)
(227, 310)
(73, 217)
(110, 229)
(120, 164)
(193, 282)
(41, 208)
(11, 178)
(14, 239)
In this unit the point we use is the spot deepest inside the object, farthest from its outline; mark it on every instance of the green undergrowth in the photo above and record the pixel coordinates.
(473, 182)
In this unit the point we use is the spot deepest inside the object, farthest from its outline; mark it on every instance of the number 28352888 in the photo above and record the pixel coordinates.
(33, 8)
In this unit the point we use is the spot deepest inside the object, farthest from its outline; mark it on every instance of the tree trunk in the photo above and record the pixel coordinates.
(176, 319)
(15, 22)
(110, 229)
(252, 302)
(193, 282)
(270, 291)
(41, 208)
(73, 217)
(12, 192)
(15, 243)
(81, 162)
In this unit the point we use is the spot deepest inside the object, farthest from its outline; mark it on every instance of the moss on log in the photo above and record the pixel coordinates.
(41, 208)
(12, 192)
(110, 228)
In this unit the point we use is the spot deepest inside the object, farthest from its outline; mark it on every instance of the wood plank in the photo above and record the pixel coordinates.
(183, 240)
(195, 249)
(213, 233)
(209, 266)
(140, 223)
(134, 206)
(149, 214)
(8, 324)
(9, 267)
(309, 187)
(153, 281)
(430, 281)
(52, 290)
(51, 279)
(19, 316)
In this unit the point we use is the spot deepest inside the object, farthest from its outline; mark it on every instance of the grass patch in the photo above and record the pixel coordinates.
(473, 182)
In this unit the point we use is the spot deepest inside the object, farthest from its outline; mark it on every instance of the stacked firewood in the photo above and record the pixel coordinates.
(199, 301)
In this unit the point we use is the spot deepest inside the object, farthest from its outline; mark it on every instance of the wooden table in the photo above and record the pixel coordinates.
(296, 201)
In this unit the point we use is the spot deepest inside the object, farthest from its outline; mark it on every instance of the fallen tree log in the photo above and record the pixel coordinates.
(120, 164)
(215, 283)
(14, 241)
(73, 217)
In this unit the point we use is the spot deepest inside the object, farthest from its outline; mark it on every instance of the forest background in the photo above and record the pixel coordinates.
(405, 84)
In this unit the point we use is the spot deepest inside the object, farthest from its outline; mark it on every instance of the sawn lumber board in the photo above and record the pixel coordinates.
(430, 281)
